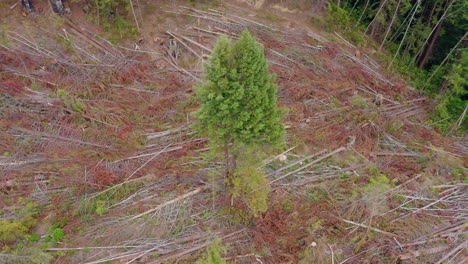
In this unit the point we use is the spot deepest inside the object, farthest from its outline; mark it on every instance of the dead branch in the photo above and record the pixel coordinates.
(134, 15)
(207, 31)
(417, 253)
(310, 164)
(345, 41)
(193, 42)
(403, 154)
(154, 155)
(367, 227)
(182, 70)
(133, 89)
(151, 136)
(377, 94)
(299, 161)
(106, 48)
(282, 56)
(377, 74)
(48, 135)
(204, 17)
(21, 163)
(317, 37)
(266, 162)
(198, 190)
(185, 45)
(151, 154)
(182, 253)
(254, 22)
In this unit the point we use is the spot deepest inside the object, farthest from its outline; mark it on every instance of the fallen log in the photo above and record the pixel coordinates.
(417, 253)
(367, 227)
(311, 163)
(198, 190)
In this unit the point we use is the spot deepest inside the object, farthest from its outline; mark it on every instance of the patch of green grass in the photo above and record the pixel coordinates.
(358, 101)
(272, 17)
(100, 203)
(396, 125)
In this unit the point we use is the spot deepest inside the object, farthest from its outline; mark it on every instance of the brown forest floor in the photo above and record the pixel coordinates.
(98, 135)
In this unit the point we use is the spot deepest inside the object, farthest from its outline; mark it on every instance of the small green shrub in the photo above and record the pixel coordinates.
(373, 194)
(12, 230)
(251, 185)
(338, 18)
(396, 125)
(213, 254)
(56, 234)
(358, 101)
(112, 14)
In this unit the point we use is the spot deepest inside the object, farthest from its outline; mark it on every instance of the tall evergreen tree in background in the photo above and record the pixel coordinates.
(428, 42)
(239, 114)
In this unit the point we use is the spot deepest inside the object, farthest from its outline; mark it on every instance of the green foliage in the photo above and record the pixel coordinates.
(56, 234)
(374, 193)
(120, 28)
(100, 203)
(213, 254)
(212, 2)
(28, 256)
(421, 46)
(71, 102)
(112, 14)
(338, 17)
(396, 125)
(453, 99)
(249, 182)
(238, 96)
(12, 230)
(358, 101)
(239, 113)
(100, 208)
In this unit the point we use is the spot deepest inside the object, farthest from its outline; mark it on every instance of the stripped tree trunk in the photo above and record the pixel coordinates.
(429, 48)
(57, 6)
(406, 32)
(422, 60)
(390, 26)
(445, 60)
(27, 4)
(381, 5)
(362, 14)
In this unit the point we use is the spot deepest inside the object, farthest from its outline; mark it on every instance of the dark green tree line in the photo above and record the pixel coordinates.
(429, 35)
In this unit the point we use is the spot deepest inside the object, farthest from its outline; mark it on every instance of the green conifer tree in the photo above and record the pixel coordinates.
(238, 100)
(238, 96)
(213, 254)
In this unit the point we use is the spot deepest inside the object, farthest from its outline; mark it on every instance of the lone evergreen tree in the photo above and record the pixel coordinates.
(238, 100)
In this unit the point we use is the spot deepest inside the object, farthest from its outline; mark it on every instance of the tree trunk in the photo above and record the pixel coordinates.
(57, 6)
(226, 160)
(433, 29)
(27, 4)
(445, 59)
(406, 32)
(429, 48)
(381, 4)
(362, 14)
(354, 6)
(429, 18)
(390, 26)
